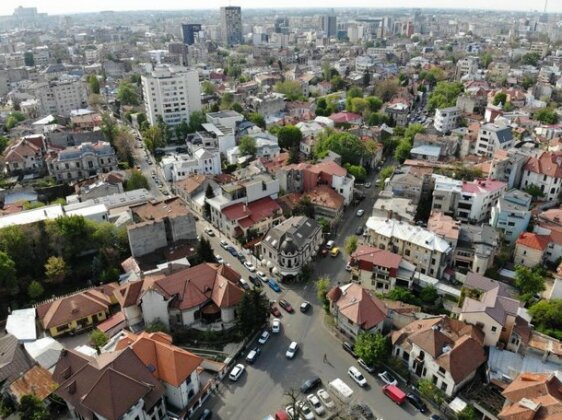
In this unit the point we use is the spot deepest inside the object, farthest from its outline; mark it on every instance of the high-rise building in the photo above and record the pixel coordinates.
(59, 97)
(329, 25)
(189, 32)
(231, 25)
(281, 25)
(173, 93)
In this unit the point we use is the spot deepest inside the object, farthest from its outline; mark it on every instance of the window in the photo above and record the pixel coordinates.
(441, 370)
(494, 329)
(407, 252)
(434, 379)
(443, 386)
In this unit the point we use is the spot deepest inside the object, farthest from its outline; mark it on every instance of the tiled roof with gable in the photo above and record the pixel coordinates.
(533, 240)
(14, 359)
(359, 306)
(368, 256)
(549, 164)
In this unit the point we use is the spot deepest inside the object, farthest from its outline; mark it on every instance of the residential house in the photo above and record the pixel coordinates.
(511, 214)
(344, 117)
(257, 217)
(477, 198)
(445, 351)
(37, 381)
(380, 270)
(446, 119)
(530, 249)
(198, 160)
(356, 310)
(26, 156)
(398, 112)
(390, 207)
(267, 105)
(158, 225)
(427, 251)
(192, 190)
(176, 368)
(533, 396)
(267, 147)
(203, 296)
(491, 306)
(408, 182)
(77, 312)
(113, 386)
(549, 223)
(291, 245)
(14, 359)
(79, 162)
(444, 146)
(493, 137)
(545, 172)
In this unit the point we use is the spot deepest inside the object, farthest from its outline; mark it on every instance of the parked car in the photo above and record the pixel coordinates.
(263, 337)
(241, 258)
(335, 252)
(387, 378)
(206, 415)
(347, 267)
(365, 366)
(357, 376)
(274, 286)
(286, 305)
(261, 275)
(244, 284)
(360, 212)
(224, 244)
(361, 410)
(255, 281)
(359, 230)
(325, 398)
(310, 384)
(292, 350)
(368, 185)
(249, 266)
(210, 232)
(305, 411)
(276, 326)
(316, 405)
(236, 372)
(329, 245)
(417, 402)
(348, 347)
(275, 311)
(394, 393)
(219, 259)
(435, 417)
(305, 306)
(253, 355)
(232, 251)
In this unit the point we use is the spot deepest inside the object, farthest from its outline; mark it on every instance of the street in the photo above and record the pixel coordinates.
(260, 391)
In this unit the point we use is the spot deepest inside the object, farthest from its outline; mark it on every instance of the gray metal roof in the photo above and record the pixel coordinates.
(299, 228)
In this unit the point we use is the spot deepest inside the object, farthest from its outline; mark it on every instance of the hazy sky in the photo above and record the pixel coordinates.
(73, 6)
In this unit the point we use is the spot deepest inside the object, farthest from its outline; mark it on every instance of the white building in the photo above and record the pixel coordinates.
(79, 162)
(266, 147)
(171, 93)
(446, 119)
(477, 198)
(545, 172)
(492, 137)
(60, 97)
(511, 214)
(202, 161)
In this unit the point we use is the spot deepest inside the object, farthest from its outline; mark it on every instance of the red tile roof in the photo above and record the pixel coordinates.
(549, 164)
(250, 214)
(533, 240)
(359, 306)
(345, 117)
(482, 186)
(368, 256)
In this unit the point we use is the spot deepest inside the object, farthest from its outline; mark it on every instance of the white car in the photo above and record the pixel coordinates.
(224, 244)
(219, 259)
(316, 404)
(263, 337)
(292, 350)
(236, 372)
(276, 326)
(249, 266)
(357, 376)
(325, 398)
(261, 275)
(305, 411)
(348, 267)
(387, 378)
(210, 232)
(360, 212)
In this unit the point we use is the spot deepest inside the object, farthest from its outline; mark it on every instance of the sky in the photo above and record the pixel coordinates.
(69, 6)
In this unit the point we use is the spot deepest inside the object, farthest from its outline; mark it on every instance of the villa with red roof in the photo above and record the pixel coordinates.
(544, 171)
(259, 215)
(346, 118)
(530, 249)
(26, 156)
(380, 270)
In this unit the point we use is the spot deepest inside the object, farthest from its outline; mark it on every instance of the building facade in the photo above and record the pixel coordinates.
(231, 25)
(79, 162)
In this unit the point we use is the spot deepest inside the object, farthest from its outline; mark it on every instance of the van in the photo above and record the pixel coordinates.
(341, 390)
(244, 284)
(394, 393)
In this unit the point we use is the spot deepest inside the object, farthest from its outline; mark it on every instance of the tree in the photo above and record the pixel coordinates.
(354, 92)
(4, 141)
(127, 94)
(136, 79)
(196, 121)
(124, 143)
(347, 145)
(227, 100)
(322, 288)
(374, 103)
(444, 95)
(98, 339)
(337, 83)
(35, 290)
(28, 59)
(385, 173)
(486, 59)
(257, 119)
(290, 88)
(546, 116)
(109, 127)
(531, 59)
(293, 156)
(93, 84)
(500, 97)
(377, 118)
(402, 151)
(13, 119)
(247, 146)
(55, 269)
(209, 193)
(428, 295)
(8, 279)
(547, 317)
(467, 413)
(529, 281)
(527, 82)
(205, 251)
(358, 172)
(304, 207)
(534, 190)
(32, 408)
(430, 391)
(208, 88)
(358, 105)
(70, 236)
(252, 311)
(403, 295)
(136, 181)
(181, 131)
(289, 137)
(386, 89)
(350, 244)
(154, 137)
(156, 326)
(372, 348)
(237, 107)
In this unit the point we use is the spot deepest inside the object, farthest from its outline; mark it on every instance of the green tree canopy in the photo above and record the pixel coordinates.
(56, 269)
(529, 281)
(322, 286)
(351, 243)
(93, 84)
(546, 116)
(257, 119)
(247, 146)
(35, 290)
(385, 173)
(109, 127)
(403, 295)
(207, 87)
(500, 97)
(289, 137)
(290, 88)
(237, 107)
(374, 102)
(429, 295)
(253, 311)
(136, 181)
(196, 121)
(205, 251)
(98, 339)
(372, 348)
(444, 95)
(8, 279)
(28, 59)
(377, 118)
(530, 59)
(4, 141)
(227, 99)
(386, 89)
(347, 145)
(127, 94)
(32, 408)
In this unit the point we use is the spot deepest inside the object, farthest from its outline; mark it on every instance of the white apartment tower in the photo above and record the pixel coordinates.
(231, 25)
(172, 93)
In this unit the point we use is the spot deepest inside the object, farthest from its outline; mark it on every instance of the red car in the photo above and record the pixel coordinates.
(275, 311)
(286, 305)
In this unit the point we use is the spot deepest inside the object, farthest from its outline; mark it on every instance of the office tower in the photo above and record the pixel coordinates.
(231, 25)
(173, 93)
(282, 25)
(189, 32)
(329, 25)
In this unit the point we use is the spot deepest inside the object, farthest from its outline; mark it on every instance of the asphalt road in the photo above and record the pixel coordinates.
(260, 391)
(151, 171)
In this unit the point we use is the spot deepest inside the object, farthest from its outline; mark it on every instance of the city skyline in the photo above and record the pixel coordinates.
(64, 7)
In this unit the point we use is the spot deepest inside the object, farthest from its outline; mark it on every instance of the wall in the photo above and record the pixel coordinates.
(133, 315)
(155, 307)
(183, 227)
(527, 256)
(475, 318)
(55, 332)
(146, 237)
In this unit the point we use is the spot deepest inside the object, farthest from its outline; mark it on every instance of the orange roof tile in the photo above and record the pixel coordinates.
(533, 240)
